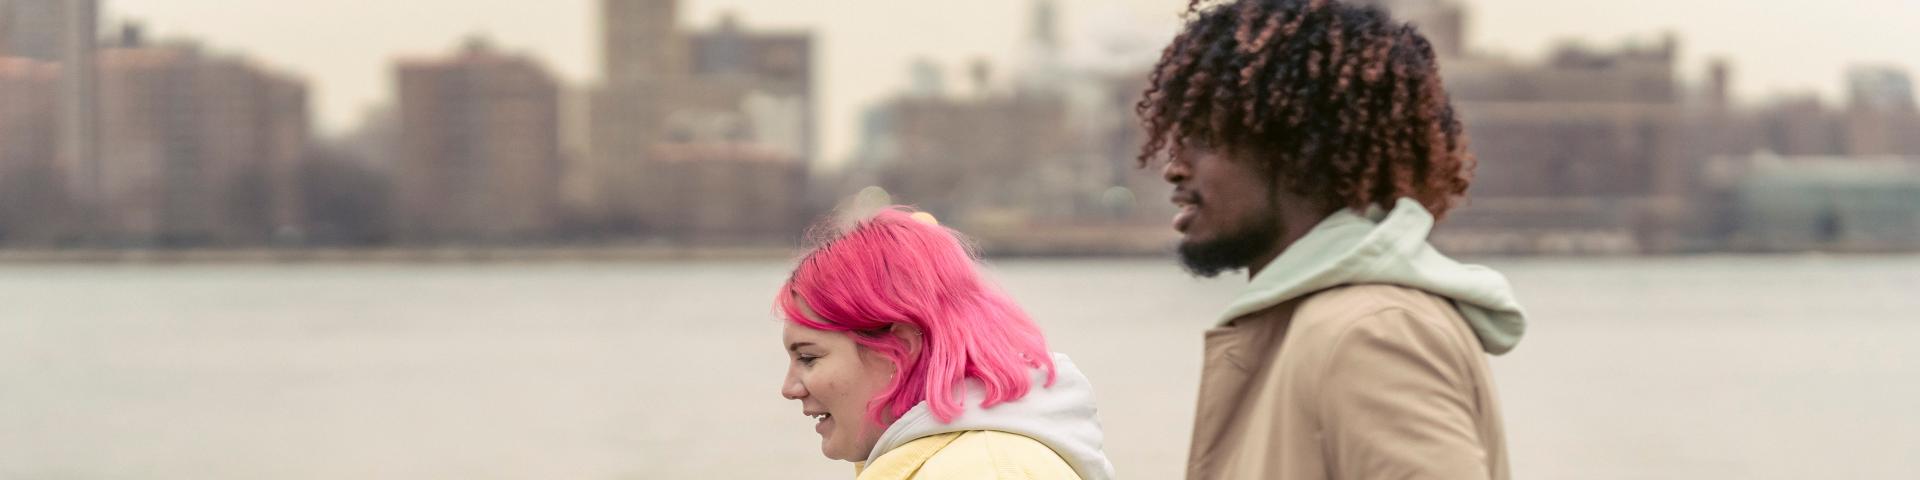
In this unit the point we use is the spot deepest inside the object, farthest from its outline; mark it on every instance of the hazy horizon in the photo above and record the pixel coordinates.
(345, 48)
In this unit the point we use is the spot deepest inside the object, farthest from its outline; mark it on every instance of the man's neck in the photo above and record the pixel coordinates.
(1294, 225)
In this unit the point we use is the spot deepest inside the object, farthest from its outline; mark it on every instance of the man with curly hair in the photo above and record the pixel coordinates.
(1311, 143)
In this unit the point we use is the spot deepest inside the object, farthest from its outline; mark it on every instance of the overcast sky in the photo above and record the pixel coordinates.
(344, 47)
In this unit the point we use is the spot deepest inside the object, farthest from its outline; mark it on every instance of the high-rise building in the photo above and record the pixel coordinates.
(1797, 125)
(33, 29)
(198, 148)
(716, 192)
(27, 113)
(1050, 145)
(31, 193)
(666, 89)
(1582, 152)
(79, 100)
(1880, 88)
(30, 39)
(479, 147)
(641, 39)
(1881, 115)
(63, 31)
(1443, 22)
(644, 71)
(774, 71)
(1039, 63)
(971, 158)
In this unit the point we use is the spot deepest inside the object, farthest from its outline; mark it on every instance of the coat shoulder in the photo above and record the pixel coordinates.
(1325, 318)
(1335, 309)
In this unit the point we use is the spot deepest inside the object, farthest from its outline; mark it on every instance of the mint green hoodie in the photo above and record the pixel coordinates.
(1387, 247)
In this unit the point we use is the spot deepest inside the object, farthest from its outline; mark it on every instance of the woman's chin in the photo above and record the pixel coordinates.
(832, 454)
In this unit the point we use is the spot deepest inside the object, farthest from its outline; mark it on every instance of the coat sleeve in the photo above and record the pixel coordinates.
(1397, 402)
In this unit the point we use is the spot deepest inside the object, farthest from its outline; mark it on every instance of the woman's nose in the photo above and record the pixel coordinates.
(792, 388)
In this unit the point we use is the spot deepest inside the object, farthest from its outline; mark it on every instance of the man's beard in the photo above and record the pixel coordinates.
(1232, 250)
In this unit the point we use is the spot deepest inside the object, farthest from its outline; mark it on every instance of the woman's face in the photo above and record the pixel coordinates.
(834, 379)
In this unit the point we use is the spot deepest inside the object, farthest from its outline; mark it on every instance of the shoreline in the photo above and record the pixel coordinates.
(671, 254)
(421, 255)
(475, 254)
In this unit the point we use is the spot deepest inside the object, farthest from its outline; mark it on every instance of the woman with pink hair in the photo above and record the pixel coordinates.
(915, 366)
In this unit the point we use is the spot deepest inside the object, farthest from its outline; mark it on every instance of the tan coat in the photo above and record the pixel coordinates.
(1354, 382)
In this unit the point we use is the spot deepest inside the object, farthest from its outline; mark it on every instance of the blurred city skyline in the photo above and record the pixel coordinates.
(345, 48)
(1013, 122)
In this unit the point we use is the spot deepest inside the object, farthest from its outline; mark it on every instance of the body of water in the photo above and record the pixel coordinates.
(1717, 367)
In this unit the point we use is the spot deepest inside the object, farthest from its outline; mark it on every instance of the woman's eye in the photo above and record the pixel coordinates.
(807, 360)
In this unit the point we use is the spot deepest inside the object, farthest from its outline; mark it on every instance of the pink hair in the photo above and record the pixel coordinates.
(892, 269)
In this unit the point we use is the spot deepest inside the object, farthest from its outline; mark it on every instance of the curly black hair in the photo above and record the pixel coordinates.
(1340, 102)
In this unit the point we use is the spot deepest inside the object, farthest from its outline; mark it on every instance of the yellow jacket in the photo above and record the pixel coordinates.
(1053, 432)
(969, 455)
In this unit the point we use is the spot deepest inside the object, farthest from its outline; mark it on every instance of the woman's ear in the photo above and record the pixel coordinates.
(909, 335)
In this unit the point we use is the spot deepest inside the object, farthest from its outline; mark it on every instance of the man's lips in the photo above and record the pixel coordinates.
(1189, 207)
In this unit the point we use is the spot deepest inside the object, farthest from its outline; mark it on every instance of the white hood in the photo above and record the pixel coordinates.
(1062, 417)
